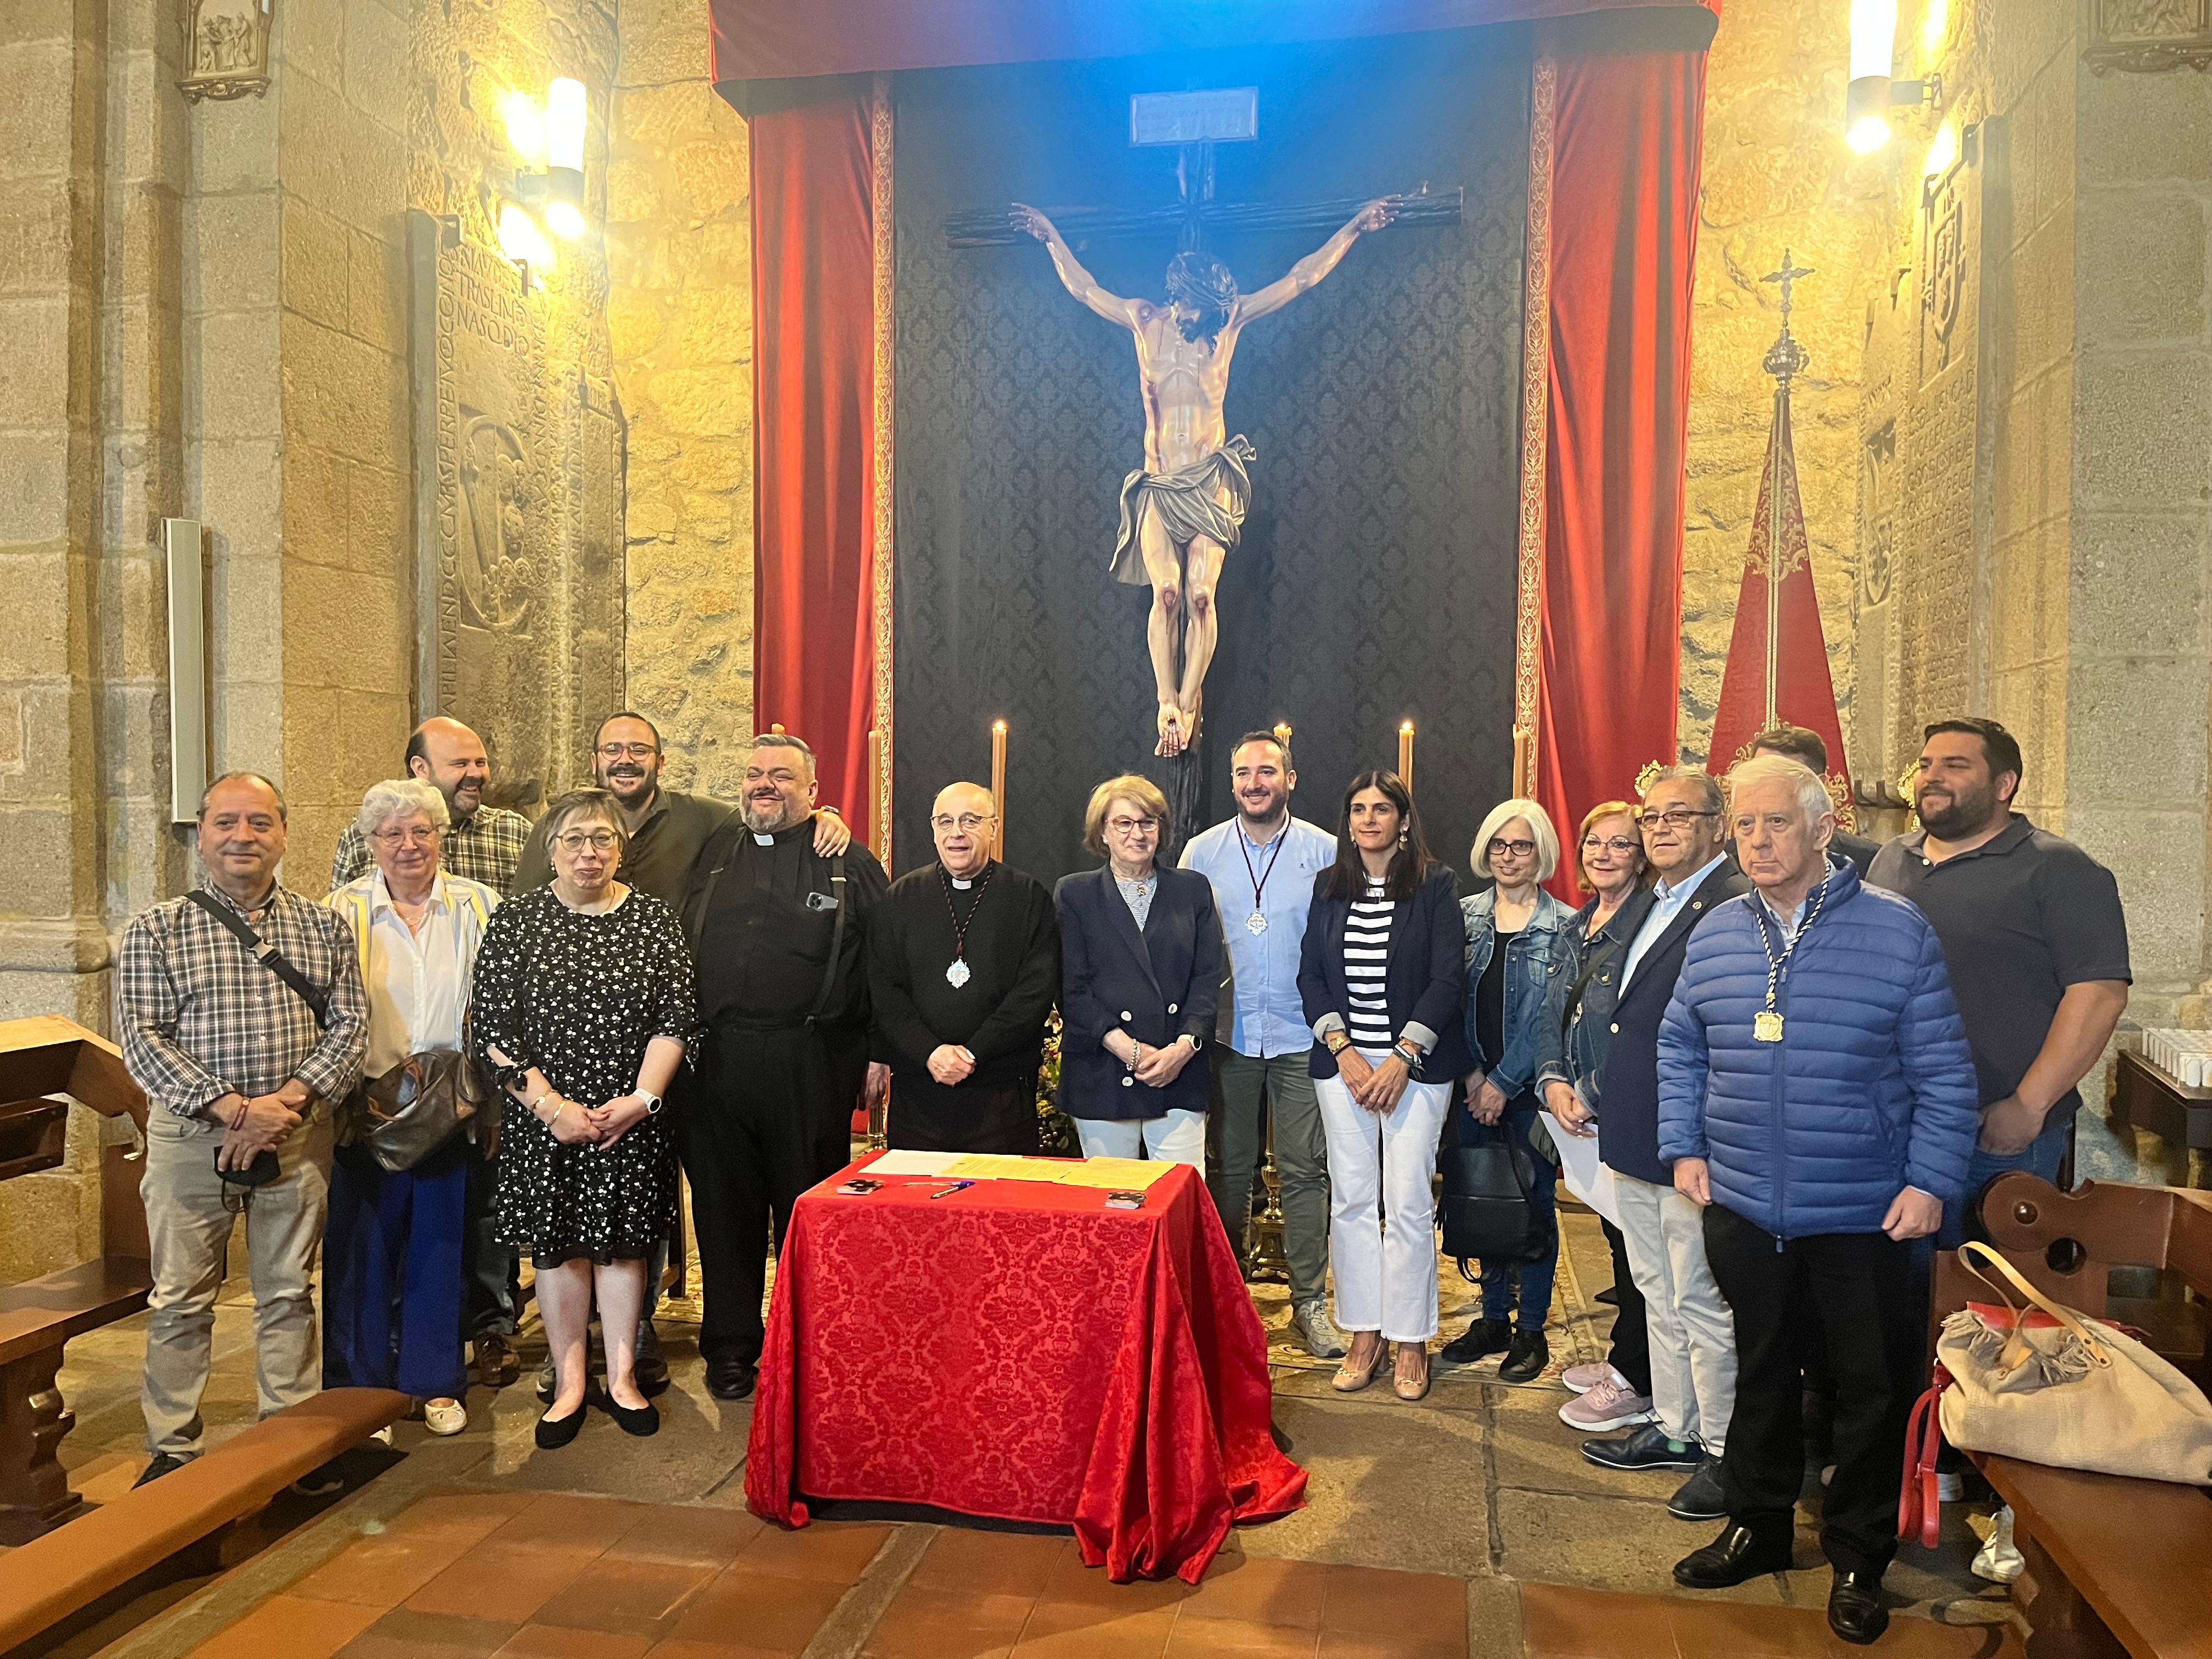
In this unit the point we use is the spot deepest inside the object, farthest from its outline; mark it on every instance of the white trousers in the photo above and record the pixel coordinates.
(1177, 1137)
(1688, 1327)
(1385, 1265)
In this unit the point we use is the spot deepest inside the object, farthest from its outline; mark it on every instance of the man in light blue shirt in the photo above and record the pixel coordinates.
(1263, 863)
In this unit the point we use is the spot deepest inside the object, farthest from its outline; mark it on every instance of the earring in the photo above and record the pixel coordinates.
(1401, 838)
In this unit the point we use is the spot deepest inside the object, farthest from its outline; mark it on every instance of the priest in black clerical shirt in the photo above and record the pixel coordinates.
(778, 932)
(963, 968)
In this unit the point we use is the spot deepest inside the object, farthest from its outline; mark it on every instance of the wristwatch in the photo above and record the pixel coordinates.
(652, 1099)
(1336, 1042)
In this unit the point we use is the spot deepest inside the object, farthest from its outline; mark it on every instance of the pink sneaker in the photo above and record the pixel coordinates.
(1581, 1379)
(1610, 1404)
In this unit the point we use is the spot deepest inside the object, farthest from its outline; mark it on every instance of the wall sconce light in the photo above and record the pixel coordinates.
(521, 241)
(549, 144)
(1871, 93)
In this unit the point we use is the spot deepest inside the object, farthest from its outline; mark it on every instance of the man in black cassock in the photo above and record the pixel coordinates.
(963, 968)
(778, 932)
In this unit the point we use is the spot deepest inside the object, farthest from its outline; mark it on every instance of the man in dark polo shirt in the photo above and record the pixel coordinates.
(2035, 937)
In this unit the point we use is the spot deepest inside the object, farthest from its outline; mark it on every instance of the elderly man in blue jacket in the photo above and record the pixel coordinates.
(1817, 1096)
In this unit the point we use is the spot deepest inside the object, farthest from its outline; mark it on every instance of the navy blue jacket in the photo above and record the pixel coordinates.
(1157, 984)
(1425, 981)
(1628, 1120)
(1870, 1089)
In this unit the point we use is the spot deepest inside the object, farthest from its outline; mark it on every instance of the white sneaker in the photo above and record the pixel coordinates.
(1999, 1559)
(1311, 1325)
(445, 1416)
(1581, 1379)
(1611, 1404)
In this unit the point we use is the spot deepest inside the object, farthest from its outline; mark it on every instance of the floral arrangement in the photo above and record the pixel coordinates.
(1055, 1129)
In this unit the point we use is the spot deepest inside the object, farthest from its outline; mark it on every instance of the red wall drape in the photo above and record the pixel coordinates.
(813, 436)
(1625, 178)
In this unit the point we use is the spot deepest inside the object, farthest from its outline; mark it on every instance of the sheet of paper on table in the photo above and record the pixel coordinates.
(1586, 1177)
(913, 1164)
(1111, 1174)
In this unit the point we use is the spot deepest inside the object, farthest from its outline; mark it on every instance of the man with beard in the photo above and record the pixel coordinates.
(1263, 863)
(2036, 940)
(483, 843)
(667, 829)
(963, 968)
(778, 930)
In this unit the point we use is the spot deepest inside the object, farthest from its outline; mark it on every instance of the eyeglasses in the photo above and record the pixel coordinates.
(1519, 849)
(575, 841)
(419, 834)
(1674, 817)
(634, 750)
(1618, 844)
(966, 824)
(1133, 826)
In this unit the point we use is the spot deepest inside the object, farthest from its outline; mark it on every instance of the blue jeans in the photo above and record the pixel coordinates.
(1533, 1279)
(392, 1274)
(2043, 1156)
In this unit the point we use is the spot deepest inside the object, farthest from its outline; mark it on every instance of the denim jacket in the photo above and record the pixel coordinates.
(1576, 1039)
(1536, 959)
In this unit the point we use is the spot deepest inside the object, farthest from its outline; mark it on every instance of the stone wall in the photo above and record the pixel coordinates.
(680, 312)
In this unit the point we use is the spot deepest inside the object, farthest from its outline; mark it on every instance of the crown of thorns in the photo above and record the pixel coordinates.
(1202, 279)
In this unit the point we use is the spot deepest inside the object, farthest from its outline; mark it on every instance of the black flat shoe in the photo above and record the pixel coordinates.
(1735, 1556)
(641, 1421)
(1855, 1609)
(1481, 1339)
(553, 1434)
(1525, 1358)
(729, 1378)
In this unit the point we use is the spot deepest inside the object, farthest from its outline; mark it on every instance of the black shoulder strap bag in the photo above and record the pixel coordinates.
(264, 1169)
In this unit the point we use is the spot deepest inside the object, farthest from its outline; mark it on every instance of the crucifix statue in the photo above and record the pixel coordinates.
(1182, 511)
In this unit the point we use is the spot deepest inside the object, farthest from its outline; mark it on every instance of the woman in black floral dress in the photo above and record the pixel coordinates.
(581, 1010)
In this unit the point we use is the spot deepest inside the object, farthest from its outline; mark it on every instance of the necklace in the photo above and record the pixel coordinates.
(956, 973)
(1256, 923)
(1766, 1024)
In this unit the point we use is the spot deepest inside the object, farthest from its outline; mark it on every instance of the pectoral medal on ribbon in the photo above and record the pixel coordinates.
(1766, 1026)
(1256, 923)
(958, 974)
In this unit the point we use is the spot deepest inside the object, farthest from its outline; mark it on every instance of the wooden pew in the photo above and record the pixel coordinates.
(54, 1575)
(2115, 1566)
(40, 1058)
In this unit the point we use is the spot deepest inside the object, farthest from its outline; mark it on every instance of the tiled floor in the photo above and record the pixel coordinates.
(1558, 1622)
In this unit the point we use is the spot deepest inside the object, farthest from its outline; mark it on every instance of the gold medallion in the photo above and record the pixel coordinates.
(1766, 1026)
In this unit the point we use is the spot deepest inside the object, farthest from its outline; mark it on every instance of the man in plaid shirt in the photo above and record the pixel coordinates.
(485, 843)
(234, 1063)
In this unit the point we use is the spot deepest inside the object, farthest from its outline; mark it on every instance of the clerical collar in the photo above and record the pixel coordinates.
(963, 883)
(770, 837)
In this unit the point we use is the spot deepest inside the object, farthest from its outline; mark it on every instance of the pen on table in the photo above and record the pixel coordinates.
(947, 1192)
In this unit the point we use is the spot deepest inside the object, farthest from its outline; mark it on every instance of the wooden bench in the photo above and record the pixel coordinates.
(40, 1058)
(2114, 1566)
(57, 1575)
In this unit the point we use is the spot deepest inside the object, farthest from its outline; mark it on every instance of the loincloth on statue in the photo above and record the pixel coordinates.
(1187, 504)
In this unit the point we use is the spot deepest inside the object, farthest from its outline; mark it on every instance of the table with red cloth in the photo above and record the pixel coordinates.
(1018, 1349)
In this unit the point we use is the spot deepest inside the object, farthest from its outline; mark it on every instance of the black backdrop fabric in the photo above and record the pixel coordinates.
(1375, 581)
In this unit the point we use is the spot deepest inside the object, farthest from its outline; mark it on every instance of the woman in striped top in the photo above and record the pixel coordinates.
(1382, 979)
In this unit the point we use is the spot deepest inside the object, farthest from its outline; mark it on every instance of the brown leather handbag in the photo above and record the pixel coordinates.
(415, 1108)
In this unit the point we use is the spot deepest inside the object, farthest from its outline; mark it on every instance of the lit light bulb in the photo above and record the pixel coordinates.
(1867, 134)
(564, 220)
(525, 127)
(521, 240)
(565, 122)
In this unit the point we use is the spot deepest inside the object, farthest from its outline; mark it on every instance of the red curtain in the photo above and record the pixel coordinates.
(813, 436)
(1624, 227)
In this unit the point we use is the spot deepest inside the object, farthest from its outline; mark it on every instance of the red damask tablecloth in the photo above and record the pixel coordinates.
(1019, 1350)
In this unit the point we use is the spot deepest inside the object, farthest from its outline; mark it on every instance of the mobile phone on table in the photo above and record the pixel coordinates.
(859, 1187)
(1124, 1201)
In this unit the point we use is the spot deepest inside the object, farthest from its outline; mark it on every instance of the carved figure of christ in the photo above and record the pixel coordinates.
(1183, 510)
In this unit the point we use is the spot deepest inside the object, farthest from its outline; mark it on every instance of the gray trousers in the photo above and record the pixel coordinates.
(1241, 1081)
(189, 1228)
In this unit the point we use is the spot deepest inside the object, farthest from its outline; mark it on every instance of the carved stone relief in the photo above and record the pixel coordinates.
(519, 505)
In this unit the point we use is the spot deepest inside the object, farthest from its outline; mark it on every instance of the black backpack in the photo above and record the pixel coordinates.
(1489, 1173)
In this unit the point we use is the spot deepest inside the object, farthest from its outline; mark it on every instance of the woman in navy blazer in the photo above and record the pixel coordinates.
(1383, 981)
(1141, 961)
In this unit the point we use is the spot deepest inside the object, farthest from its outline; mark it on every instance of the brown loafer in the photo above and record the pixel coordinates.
(497, 1364)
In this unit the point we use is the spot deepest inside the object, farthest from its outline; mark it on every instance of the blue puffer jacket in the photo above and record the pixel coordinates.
(1871, 1088)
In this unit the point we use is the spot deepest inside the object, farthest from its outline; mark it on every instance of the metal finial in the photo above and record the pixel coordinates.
(1786, 358)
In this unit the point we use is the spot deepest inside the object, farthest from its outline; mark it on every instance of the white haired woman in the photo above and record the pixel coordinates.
(392, 1286)
(583, 1009)
(1518, 943)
